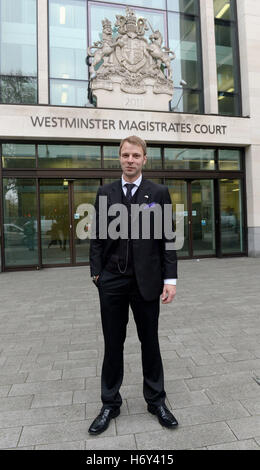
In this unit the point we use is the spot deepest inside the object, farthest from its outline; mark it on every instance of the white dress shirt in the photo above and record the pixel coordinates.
(137, 183)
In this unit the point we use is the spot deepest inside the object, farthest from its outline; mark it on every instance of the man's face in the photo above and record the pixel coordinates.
(132, 160)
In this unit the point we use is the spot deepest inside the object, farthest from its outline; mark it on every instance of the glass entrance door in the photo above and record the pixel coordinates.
(178, 190)
(65, 221)
(197, 198)
(202, 218)
(55, 222)
(84, 193)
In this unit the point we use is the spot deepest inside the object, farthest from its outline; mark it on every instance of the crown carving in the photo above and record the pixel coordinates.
(130, 20)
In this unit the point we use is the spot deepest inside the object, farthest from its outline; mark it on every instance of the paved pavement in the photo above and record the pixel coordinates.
(51, 350)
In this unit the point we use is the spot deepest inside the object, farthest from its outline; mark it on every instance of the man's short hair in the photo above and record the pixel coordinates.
(133, 139)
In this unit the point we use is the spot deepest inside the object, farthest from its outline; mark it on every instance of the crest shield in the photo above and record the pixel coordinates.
(132, 54)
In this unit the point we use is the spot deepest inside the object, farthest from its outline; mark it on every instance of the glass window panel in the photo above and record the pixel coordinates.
(18, 156)
(178, 193)
(69, 93)
(189, 159)
(229, 159)
(188, 101)
(99, 12)
(18, 90)
(109, 180)
(224, 10)
(84, 193)
(20, 222)
(183, 6)
(156, 180)
(225, 57)
(69, 156)
(154, 158)
(111, 157)
(231, 211)
(18, 42)
(183, 37)
(68, 39)
(228, 104)
(55, 226)
(203, 218)
(161, 4)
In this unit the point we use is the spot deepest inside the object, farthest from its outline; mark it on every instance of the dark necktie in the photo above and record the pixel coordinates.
(129, 187)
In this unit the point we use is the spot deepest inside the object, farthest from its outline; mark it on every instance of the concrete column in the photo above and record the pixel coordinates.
(209, 56)
(253, 199)
(43, 53)
(249, 27)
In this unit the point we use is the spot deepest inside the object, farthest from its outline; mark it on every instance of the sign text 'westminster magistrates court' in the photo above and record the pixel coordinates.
(127, 125)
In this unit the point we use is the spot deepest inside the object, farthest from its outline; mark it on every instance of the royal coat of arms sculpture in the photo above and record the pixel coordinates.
(127, 70)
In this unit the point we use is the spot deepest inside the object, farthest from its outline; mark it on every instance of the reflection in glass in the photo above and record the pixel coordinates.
(109, 180)
(18, 37)
(154, 158)
(55, 229)
(18, 90)
(69, 93)
(184, 41)
(189, 159)
(20, 222)
(231, 216)
(111, 156)
(228, 104)
(229, 159)
(224, 9)
(227, 58)
(69, 156)
(183, 6)
(68, 39)
(178, 193)
(68, 50)
(161, 4)
(224, 34)
(18, 51)
(18, 156)
(203, 218)
(84, 193)
(185, 100)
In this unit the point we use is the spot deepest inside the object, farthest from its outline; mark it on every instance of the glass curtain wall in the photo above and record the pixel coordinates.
(68, 50)
(20, 222)
(84, 192)
(55, 224)
(60, 202)
(18, 51)
(231, 216)
(184, 40)
(228, 72)
(76, 24)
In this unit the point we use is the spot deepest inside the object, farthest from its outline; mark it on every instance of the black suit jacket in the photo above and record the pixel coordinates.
(152, 261)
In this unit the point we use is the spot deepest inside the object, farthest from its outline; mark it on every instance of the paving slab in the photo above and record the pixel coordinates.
(51, 353)
(189, 437)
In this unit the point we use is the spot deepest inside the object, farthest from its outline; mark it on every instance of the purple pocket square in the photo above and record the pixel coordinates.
(148, 206)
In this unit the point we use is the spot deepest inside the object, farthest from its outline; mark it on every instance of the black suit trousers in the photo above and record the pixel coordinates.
(117, 293)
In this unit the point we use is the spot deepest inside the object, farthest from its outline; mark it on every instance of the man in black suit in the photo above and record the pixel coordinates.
(132, 271)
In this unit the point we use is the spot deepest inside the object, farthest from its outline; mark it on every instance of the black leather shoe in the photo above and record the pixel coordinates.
(164, 415)
(101, 423)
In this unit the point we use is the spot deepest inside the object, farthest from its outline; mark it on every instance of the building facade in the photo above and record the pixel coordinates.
(57, 146)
